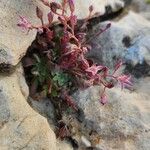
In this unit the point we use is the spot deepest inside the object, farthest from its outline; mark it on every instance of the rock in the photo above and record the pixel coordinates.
(14, 43)
(123, 123)
(142, 7)
(44, 107)
(20, 126)
(85, 141)
(126, 39)
(62, 145)
(100, 7)
(22, 82)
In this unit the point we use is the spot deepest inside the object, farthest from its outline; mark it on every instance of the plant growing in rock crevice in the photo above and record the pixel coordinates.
(61, 65)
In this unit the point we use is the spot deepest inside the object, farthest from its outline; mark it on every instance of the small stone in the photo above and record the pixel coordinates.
(85, 141)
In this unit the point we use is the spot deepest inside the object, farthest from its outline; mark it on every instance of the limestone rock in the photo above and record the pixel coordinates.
(20, 126)
(127, 39)
(14, 43)
(142, 7)
(100, 6)
(123, 123)
(43, 107)
(62, 145)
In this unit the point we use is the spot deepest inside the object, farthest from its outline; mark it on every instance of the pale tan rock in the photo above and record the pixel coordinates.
(13, 42)
(20, 126)
(62, 145)
(82, 6)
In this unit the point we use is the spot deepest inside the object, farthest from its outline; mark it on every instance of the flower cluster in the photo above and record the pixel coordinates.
(70, 55)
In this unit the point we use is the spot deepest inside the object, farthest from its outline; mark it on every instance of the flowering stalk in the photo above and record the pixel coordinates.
(70, 58)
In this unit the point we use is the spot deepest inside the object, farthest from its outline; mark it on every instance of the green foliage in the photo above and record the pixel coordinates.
(40, 70)
(42, 75)
(61, 78)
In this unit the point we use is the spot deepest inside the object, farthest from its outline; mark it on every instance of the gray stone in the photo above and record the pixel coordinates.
(43, 107)
(127, 39)
(123, 123)
(142, 7)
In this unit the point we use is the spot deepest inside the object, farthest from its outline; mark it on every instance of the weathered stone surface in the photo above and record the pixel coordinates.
(14, 43)
(100, 6)
(43, 107)
(20, 126)
(123, 123)
(142, 7)
(62, 145)
(127, 39)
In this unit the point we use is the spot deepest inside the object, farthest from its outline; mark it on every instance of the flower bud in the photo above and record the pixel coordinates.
(54, 6)
(50, 16)
(39, 13)
(103, 99)
(73, 20)
(108, 25)
(91, 8)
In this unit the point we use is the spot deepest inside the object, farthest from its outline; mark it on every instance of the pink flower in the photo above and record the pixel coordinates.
(50, 16)
(24, 23)
(124, 81)
(49, 34)
(73, 20)
(92, 71)
(84, 63)
(103, 99)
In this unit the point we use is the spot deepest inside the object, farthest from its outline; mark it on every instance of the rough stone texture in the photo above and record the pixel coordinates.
(43, 107)
(123, 123)
(20, 126)
(127, 39)
(14, 43)
(62, 145)
(142, 7)
(100, 6)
